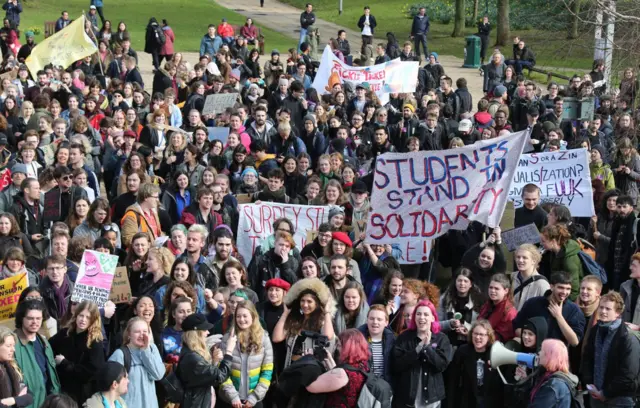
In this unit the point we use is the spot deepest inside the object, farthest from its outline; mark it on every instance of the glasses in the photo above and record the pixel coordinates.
(217, 192)
(480, 335)
(66, 178)
(284, 230)
(108, 227)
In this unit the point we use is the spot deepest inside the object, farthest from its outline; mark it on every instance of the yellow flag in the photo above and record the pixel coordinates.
(63, 48)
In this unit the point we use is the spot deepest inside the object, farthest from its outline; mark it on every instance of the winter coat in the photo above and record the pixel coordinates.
(170, 37)
(420, 25)
(482, 277)
(31, 373)
(146, 368)
(151, 44)
(628, 315)
(408, 364)
(161, 81)
(210, 45)
(501, 318)
(84, 230)
(567, 260)
(493, 76)
(253, 371)
(623, 362)
(197, 376)
(556, 391)
(13, 12)
(628, 183)
(603, 173)
(293, 146)
(96, 401)
(80, 363)
(388, 344)
(325, 262)
(340, 323)
(539, 307)
(446, 313)
(267, 266)
(134, 221)
(462, 375)
(19, 241)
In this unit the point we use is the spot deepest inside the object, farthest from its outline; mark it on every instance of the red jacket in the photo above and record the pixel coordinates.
(225, 30)
(500, 316)
(167, 48)
(249, 32)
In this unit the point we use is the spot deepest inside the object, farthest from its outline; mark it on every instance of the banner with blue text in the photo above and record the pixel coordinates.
(419, 196)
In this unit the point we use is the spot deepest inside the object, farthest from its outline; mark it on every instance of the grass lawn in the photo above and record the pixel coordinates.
(551, 49)
(188, 19)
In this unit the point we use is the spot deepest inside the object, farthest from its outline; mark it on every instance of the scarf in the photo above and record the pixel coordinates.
(587, 310)
(61, 293)
(9, 381)
(6, 273)
(604, 338)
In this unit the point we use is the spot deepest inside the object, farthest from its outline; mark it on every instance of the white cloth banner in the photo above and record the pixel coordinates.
(563, 178)
(391, 77)
(419, 196)
(256, 223)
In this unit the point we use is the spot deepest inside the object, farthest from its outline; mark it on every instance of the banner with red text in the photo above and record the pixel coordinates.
(10, 290)
(391, 77)
(255, 223)
(419, 196)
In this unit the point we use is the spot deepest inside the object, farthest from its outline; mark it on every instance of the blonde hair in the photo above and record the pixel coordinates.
(249, 340)
(533, 251)
(171, 150)
(195, 342)
(4, 333)
(126, 339)
(165, 257)
(95, 326)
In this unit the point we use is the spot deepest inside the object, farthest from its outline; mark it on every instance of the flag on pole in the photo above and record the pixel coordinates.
(63, 48)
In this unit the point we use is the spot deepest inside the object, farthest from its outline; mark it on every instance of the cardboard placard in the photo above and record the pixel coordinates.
(95, 277)
(515, 237)
(10, 290)
(216, 103)
(120, 287)
(219, 133)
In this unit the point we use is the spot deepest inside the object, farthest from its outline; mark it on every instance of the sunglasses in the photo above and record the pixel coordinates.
(66, 178)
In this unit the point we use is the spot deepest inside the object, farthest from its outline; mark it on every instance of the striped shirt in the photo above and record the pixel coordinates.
(378, 357)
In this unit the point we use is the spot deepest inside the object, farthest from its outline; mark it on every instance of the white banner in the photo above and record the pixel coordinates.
(390, 77)
(563, 178)
(256, 223)
(419, 196)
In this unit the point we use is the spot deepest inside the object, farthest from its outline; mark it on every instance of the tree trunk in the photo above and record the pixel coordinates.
(458, 28)
(503, 35)
(475, 11)
(573, 23)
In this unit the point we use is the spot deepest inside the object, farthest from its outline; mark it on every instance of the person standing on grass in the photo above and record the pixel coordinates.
(98, 4)
(13, 9)
(367, 24)
(307, 19)
(484, 30)
(419, 31)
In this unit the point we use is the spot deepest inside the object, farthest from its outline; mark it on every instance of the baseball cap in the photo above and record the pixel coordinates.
(359, 187)
(465, 125)
(196, 321)
(92, 7)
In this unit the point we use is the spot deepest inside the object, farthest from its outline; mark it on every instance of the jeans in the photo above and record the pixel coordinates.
(622, 403)
(155, 58)
(518, 65)
(227, 40)
(421, 39)
(101, 14)
(303, 34)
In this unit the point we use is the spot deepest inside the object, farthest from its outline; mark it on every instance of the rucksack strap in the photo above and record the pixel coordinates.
(126, 357)
(527, 283)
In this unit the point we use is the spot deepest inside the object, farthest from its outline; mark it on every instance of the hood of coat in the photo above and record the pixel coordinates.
(539, 326)
(316, 286)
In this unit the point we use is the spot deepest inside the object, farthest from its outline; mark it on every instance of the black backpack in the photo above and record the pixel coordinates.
(159, 36)
(170, 383)
(376, 392)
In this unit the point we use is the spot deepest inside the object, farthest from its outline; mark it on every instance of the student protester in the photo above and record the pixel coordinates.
(461, 297)
(622, 244)
(527, 282)
(13, 392)
(531, 211)
(499, 309)
(629, 290)
(562, 253)
(112, 383)
(554, 389)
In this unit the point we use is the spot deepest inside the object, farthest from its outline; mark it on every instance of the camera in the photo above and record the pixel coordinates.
(320, 343)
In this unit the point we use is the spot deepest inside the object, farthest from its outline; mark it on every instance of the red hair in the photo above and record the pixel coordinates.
(435, 326)
(355, 349)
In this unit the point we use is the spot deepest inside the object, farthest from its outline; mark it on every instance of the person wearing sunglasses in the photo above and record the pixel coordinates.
(58, 200)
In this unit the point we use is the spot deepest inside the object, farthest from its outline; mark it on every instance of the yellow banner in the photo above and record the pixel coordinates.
(63, 48)
(10, 290)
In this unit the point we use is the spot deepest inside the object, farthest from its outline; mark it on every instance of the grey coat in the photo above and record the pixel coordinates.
(628, 315)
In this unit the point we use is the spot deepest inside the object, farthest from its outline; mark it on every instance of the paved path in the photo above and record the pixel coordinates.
(285, 19)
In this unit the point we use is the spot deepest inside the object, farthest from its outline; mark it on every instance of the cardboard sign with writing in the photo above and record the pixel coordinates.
(216, 103)
(515, 237)
(10, 290)
(120, 287)
(95, 277)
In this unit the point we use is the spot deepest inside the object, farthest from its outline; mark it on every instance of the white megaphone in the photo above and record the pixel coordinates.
(500, 355)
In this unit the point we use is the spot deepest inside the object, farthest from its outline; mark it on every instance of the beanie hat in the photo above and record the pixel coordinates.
(601, 150)
(548, 126)
(342, 237)
(235, 73)
(499, 91)
(310, 118)
(249, 170)
(335, 210)
(277, 283)
(338, 144)
(275, 52)
(410, 107)
(435, 55)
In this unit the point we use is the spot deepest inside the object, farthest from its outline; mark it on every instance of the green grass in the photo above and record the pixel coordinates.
(188, 19)
(551, 49)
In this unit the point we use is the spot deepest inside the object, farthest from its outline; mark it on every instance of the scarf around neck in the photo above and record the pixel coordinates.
(61, 293)
(587, 310)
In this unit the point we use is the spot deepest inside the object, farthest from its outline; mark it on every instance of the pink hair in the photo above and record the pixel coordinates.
(556, 356)
(355, 349)
(435, 326)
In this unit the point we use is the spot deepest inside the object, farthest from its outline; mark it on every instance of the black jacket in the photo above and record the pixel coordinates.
(161, 81)
(267, 266)
(30, 222)
(372, 23)
(312, 249)
(623, 363)
(198, 376)
(388, 344)
(461, 375)
(80, 362)
(625, 252)
(307, 19)
(48, 293)
(408, 364)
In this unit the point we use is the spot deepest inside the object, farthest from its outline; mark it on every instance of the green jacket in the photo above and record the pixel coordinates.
(32, 376)
(567, 260)
(602, 172)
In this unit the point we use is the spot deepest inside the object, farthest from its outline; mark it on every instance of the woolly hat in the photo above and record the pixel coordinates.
(310, 118)
(277, 283)
(249, 170)
(548, 126)
(19, 168)
(499, 91)
(342, 237)
(335, 210)
(435, 55)
(235, 73)
(601, 150)
(410, 107)
(275, 52)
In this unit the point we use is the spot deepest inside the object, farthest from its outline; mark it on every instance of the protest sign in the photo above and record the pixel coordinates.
(515, 237)
(218, 133)
(393, 76)
(95, 277)
(419, 196)
(563, 178)
(216, 103)
(10, 290)
(256, 223)
(120, 287)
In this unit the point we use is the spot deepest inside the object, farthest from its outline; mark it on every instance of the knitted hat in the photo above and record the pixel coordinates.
(29, 34)
(235, 73)
(499, 91)
(336, 210)
(548, 126)
(342, 237)
(278, 283)
(435, 55)
(310, 118)
(275, 52)
(19, 168)
(600, 149)
(249, 170)
(410, 107)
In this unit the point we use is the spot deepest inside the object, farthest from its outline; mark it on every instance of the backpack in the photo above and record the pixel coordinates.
(591, 267)
(375, 393)
(575, 403)
(171, 384)
(159, 35)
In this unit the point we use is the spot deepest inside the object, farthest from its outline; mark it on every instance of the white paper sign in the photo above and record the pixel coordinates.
(419, 196)
(256, 223)
(563, 178)
(393, 76)
(216, 103)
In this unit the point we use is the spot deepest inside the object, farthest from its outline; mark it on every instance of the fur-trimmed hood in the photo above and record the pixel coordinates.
(318, 287)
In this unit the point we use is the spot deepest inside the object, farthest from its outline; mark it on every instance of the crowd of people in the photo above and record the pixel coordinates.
(96, 160)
